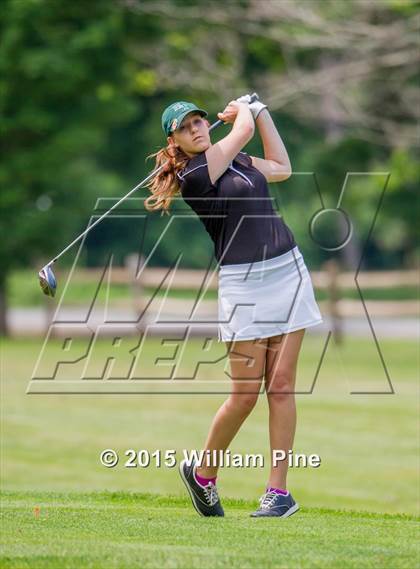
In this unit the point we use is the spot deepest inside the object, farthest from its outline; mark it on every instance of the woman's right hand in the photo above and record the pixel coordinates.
(231, 112)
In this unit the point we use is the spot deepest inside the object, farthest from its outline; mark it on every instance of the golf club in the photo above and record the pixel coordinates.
(46, 275)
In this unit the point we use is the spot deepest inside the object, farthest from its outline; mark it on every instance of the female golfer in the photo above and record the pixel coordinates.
(265, 298)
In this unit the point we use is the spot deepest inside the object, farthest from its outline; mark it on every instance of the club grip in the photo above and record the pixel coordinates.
(254, 97)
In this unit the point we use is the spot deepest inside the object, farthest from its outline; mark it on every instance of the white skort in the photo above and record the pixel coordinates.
(266, 298)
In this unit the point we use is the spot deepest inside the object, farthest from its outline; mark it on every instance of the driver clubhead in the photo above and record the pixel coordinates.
(47, 281)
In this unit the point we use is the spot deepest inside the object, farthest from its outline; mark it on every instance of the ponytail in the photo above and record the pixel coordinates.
(164, 186)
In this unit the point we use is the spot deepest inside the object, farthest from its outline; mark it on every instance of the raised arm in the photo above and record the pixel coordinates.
(220, 155)
(275, 165)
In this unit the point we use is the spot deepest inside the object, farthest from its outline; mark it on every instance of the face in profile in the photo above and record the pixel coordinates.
(192, 135)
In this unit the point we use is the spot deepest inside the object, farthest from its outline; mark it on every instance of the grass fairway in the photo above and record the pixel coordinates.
(357, 509)
(122, 530)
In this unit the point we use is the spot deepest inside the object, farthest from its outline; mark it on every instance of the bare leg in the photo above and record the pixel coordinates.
(247, 363)
(280, 379)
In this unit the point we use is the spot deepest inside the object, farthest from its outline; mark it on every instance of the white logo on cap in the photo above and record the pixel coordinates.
(174, 124)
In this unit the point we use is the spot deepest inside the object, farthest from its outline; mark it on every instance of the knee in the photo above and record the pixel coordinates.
(242, 402)
(281, 388)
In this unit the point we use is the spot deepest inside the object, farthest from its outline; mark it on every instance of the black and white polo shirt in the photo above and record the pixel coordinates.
(237, 210)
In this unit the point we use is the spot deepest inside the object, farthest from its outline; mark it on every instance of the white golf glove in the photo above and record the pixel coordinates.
(244, 99)
(256, 107)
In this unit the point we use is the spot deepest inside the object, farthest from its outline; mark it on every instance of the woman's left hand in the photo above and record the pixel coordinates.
(230, 112)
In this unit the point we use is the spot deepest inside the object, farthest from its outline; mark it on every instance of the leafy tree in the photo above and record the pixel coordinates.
(61, 92)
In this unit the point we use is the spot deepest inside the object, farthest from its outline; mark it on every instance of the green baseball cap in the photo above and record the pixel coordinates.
(173, 115)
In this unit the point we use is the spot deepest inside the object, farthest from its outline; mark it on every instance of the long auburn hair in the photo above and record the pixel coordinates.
(165, 185)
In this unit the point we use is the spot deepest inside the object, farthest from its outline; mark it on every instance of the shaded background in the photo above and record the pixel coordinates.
(83, 85)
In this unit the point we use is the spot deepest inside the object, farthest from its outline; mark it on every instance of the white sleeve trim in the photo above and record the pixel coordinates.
(189, 171)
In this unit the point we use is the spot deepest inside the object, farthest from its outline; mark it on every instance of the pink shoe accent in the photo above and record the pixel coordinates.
(277, 490)
(203, 481)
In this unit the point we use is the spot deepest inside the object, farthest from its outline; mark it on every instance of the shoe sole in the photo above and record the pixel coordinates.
(190, 492)
(289, 513)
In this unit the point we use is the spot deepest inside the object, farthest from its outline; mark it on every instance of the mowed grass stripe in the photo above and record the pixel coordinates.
(119, 529)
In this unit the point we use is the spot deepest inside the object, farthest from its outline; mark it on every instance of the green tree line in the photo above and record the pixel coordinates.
(83, 85)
